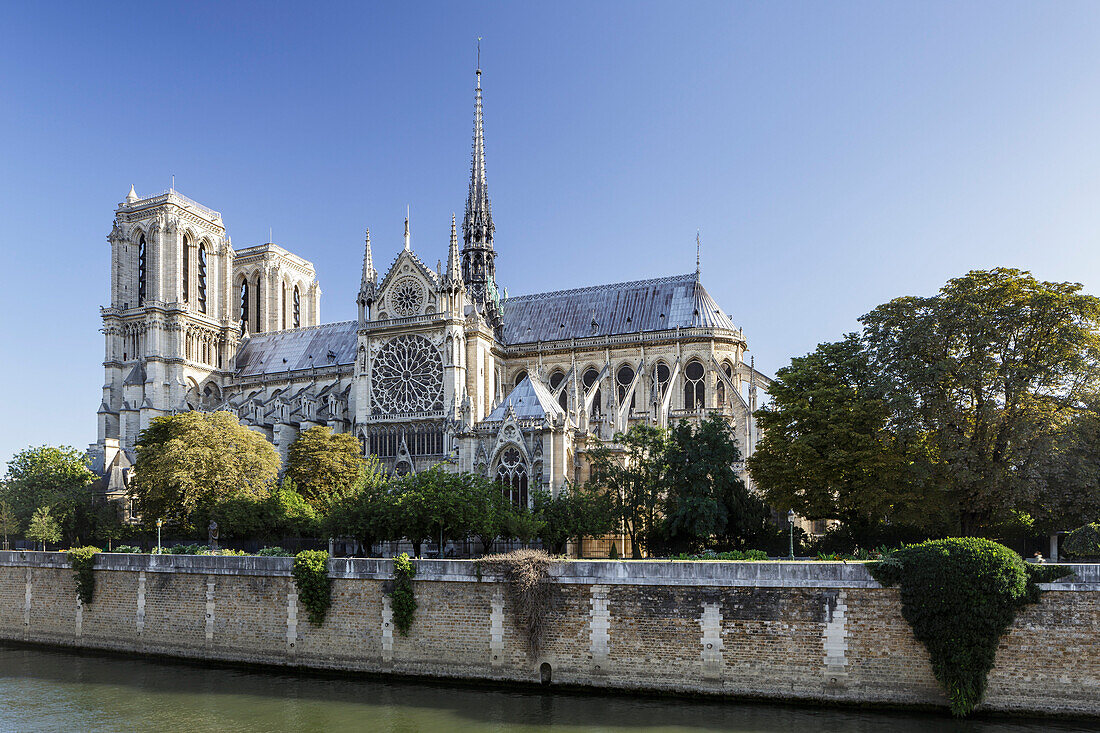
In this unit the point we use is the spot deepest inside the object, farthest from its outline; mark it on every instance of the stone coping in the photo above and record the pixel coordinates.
(753, 574)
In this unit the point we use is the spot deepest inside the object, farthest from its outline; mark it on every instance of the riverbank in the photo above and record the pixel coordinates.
(806, 631)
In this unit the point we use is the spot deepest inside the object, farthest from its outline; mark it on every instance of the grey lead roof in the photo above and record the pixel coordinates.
(643, 305)
(659, 304)
(278, 351)
(529, 400)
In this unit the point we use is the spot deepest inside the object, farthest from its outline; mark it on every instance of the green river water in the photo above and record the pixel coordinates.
(44, 690)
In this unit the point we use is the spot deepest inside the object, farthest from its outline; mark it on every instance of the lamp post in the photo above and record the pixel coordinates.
(790, 523)
(159, 523)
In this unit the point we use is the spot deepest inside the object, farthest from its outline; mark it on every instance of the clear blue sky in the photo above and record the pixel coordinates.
(834, 155)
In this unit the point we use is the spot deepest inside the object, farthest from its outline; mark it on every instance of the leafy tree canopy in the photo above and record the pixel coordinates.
(955, 406)
(631, 471)
(54, 476)
(324, 465)
(706, 497)
(44, 527)
(199, 458)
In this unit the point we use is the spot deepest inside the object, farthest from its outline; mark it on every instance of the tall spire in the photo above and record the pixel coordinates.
(406, 228)
(478, 224)
(369, 273)
(454, 272)
(478, 255)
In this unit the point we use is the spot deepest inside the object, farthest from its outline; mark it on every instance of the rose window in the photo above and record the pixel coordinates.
(407, 376)
(407, 297)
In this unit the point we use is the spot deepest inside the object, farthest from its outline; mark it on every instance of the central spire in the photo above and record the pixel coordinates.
(477, 226)
(478, 255)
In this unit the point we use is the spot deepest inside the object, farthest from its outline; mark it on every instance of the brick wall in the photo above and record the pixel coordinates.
(809, 631)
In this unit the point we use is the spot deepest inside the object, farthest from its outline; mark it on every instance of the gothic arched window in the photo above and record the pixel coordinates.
(695, 389)
(142, 262)
(623, 378)
(202, 279)
(259, 303)
(589, 379)
(555, 381)
(512, 476)
(297, 308)
(520, 376)
(244, 305)
(720, 386)
(283, 309)
(661, 375)
(186, 269)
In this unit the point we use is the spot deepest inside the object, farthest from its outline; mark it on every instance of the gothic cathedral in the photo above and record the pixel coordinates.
(439, 368)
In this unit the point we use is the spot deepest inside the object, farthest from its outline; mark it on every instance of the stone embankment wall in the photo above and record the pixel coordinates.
(808, 631)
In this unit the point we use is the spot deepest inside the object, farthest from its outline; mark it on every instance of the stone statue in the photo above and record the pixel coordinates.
(212, 536)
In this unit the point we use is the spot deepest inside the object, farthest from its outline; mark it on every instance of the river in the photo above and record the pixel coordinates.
(46, 690)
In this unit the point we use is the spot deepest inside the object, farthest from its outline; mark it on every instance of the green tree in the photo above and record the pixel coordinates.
(369, 512)
(55, 476)
(486, 508)
(1068, 482)
(324, 465)
(830, 448)
(198, 459)
(706, 497)
(986, 369)
(962, 411)
(9, 523)
(630, 470)
(429, 506)
(572, 514)
(523, 524)
(43, 527)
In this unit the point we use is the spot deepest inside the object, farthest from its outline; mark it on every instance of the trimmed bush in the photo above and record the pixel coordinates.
(404, 601)
(83, 562)
(186, 550)
(1083, 541)
(127, 550)
(960, 596)
(275, 552)
(310, 573)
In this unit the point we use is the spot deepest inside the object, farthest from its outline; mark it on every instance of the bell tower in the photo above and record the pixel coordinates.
(168, 331)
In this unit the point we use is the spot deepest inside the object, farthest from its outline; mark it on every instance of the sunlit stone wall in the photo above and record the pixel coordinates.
(807, 631)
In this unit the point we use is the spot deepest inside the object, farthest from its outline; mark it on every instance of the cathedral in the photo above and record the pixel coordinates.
(440, 367)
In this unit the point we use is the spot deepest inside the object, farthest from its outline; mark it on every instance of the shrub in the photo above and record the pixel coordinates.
(127, 550)
(224, 551)
(1083, 541)
(310, 573)
(275, 552)
(187, 550)
(404, 601)
(83, 560)
(527, 573)
(960, 596)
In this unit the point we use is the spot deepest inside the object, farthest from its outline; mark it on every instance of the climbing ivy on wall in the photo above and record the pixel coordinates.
(404, 602)
(83, 560)
(310, 573)
(960, 596)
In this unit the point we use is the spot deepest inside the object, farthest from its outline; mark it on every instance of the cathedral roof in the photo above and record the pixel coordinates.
(643, 305)
(529, 400)
(298, 348)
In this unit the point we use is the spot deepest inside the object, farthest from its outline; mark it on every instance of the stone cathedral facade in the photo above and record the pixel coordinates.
(439, 366)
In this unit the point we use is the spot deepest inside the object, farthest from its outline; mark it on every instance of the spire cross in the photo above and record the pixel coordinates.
(698, 247)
